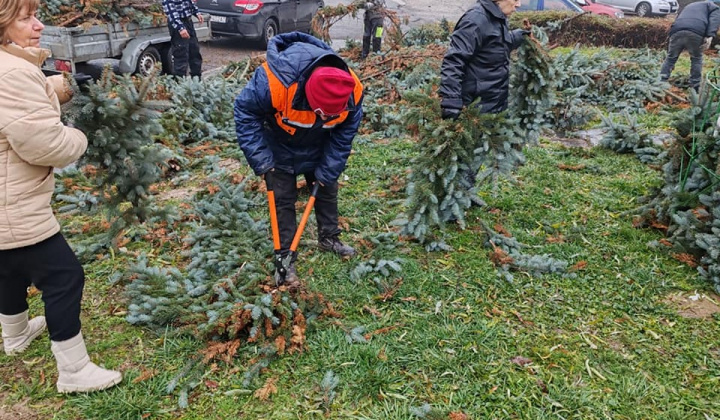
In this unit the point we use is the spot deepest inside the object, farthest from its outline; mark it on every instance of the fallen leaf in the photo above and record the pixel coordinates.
(267, 390)
(521, 361)
(580, 265)
(543, 387)
(144, 375)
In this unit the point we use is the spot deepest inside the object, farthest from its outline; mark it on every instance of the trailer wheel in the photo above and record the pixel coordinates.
(168, 62)
(147, 61)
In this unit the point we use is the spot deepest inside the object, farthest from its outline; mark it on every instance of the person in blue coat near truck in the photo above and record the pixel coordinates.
(299, 115)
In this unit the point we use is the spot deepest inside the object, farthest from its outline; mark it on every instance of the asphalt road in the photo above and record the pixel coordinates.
(418, 12)
(218, 52)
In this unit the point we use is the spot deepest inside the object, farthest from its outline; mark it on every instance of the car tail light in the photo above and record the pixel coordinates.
(249, 7)
(63, 66)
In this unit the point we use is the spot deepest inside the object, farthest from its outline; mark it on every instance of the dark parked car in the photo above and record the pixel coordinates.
(259, 20)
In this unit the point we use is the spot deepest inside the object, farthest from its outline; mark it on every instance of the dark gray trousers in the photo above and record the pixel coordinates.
(186, 52)
(679, 42)
(371, 29)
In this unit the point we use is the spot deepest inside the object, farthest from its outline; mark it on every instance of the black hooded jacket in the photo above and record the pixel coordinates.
(477, 64)
(702, 17)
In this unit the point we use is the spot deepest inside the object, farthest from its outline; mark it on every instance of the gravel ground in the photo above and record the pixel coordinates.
(219, 52)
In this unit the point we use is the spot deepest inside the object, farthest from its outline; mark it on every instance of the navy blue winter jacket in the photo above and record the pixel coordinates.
(317, 149)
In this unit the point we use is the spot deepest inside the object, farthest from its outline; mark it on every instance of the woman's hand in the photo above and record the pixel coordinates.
(61, 86)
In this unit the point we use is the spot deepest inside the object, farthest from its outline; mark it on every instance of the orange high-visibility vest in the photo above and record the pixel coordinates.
(290, 119)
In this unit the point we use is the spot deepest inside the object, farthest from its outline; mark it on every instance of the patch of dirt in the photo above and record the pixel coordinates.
(220, 52)
(18, 411)
(694, 305)
(14, 369)
(230, 164)
(572, 142)
(182, 194)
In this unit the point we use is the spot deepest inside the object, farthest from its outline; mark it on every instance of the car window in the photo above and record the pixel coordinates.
(558, 5)
(527, 5)
(563, 5)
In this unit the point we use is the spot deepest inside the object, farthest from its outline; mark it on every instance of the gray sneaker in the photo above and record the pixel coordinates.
(333, 244)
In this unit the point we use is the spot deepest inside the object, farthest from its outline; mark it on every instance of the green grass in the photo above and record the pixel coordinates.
(601, 344)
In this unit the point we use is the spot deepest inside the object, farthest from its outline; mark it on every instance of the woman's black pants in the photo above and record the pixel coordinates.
(55, 270)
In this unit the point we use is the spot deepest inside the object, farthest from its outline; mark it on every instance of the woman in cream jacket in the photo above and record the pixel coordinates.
(33, 141)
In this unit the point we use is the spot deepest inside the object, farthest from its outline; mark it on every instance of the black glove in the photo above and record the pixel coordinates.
(450, 113)
(81, 78)
(268, 177)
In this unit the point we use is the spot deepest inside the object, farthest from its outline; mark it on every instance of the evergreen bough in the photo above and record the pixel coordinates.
(202, 109)
(628, 137)
(450, 154)
(534, 82)
(121, 124)
(76, 13)
(685, 206)
(219, 293)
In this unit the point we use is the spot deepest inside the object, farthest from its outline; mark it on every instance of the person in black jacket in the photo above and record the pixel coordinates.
(373, 26)
(477, 64)
(693, 30)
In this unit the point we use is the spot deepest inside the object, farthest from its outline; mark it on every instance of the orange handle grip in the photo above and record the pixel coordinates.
(273, 220)
(303, 222)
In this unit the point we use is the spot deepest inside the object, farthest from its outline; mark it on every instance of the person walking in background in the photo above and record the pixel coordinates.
(299, 115)
(184, 41)
(477, 64)
(693, 30)
(33, 140)
(373, 26)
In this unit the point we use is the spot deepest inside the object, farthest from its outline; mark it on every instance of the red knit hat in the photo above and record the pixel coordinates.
(329, 89)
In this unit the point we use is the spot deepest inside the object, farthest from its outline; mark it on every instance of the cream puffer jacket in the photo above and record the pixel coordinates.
(33, 141)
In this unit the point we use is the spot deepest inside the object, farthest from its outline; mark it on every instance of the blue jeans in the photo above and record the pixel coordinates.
(679, 42)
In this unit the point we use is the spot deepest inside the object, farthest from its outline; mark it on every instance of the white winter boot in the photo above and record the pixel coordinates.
(18, 332)
(76, 373)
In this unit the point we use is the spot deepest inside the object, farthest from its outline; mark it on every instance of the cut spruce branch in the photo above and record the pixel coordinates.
(326, 17)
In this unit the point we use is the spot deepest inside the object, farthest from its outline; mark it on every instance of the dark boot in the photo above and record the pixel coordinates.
(333, 244)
